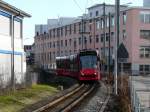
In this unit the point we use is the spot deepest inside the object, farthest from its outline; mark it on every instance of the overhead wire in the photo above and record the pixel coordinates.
(78, 5)
(86, 5)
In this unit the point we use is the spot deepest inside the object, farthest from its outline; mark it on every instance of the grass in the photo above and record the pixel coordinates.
(19, 99)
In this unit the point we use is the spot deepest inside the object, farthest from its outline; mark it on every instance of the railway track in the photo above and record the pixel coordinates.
(66, 102)
(103, 106)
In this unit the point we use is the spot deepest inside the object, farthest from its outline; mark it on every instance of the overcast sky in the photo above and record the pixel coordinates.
(41, 10)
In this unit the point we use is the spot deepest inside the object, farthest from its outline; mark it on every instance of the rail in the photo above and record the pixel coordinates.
(66, 102)
(105, 102)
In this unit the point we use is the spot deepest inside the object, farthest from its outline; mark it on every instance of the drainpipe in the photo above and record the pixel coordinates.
(13, 51)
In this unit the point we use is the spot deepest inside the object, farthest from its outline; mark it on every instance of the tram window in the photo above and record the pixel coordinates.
(75, 65)
(98, 58)
(58, 63)
(61, 61)
(71, 64)
(67, 64)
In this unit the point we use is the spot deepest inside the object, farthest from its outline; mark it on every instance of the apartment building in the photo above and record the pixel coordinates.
(87, 32)
(12, 64)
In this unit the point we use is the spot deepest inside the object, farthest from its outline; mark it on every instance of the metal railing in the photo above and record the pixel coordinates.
(137, 96)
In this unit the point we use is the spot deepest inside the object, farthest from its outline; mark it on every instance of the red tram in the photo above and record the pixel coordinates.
(82, 66)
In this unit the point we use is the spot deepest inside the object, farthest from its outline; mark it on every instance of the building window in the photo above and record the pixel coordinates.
(112, 21)
(50, 57)
(144, 69)
(102, 37)
(107, 37)
(90, 21)
(97, 38)
(90, 14)
(57, 43)
(107, 22)
(65, 42)
(112, 36)
(70, 29)
(145, 34)
(61, 31)
(53, 55)
(79, 40)
(54, 44)
(54, 33)
(58, 32)
(61, 43)
(85, 40)
(145, 17)
(80, 27)
(50, 33)
(102, 23)
(142, 19)
(84, 27)
(65, 30)
(90, 39)
(124, 18)
(50, 45)
(70, 42)
(57, 53)
(124, 34)
(97, 24)
(17, 29)
(90, 27)
(145, 52)
(96, 13)
(75, 44)
(5, 21)
(74, 28)
(37, 33)
(70, 52)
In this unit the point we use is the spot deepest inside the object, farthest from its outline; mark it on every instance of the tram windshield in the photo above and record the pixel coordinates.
(88, 61)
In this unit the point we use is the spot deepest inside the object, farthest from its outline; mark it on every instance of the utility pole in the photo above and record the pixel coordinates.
(94, 31)
(117, 8)
(12, 63)
(43, 52)
(104, 37)
(82, 32)
(109, 44)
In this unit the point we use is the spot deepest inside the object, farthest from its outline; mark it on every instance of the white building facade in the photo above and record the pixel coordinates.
(11, 45)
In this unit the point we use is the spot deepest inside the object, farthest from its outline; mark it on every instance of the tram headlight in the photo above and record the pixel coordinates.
(95, 73)
(82, 74)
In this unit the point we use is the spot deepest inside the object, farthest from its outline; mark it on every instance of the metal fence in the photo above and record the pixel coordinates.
(140, 93)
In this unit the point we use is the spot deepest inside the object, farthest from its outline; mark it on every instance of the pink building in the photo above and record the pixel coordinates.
(87, 32)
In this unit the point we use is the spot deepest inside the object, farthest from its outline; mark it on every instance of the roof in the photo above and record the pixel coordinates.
(122, 51)
(12, 9)
(107, 5)
(136, 7)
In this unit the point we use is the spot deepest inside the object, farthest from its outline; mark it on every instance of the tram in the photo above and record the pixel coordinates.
(83, 66)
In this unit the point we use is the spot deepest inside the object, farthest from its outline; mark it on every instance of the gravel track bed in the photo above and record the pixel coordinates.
(94, 101)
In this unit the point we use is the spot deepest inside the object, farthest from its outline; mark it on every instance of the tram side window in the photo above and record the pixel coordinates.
(75, 64)
(67, 65)
(71, 64)
(58, 63)
(62, 62)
